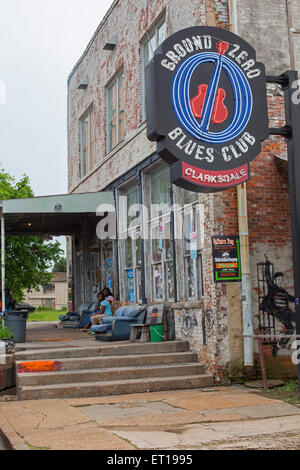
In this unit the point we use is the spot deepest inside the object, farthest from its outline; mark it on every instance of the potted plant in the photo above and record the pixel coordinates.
(6, 337)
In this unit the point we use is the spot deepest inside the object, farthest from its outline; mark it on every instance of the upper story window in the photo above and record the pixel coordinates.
(49, 289)
(115, 112)
(153, 39)
(87, 142)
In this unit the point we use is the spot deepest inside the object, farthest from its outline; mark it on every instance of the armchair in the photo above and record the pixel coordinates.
(118, 328)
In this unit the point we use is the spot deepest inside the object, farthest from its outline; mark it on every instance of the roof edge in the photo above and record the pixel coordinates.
(107, 14)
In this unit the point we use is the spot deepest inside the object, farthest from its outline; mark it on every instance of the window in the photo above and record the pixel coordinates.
(107, 269)
(87, 142)
(153, 39)
(162, 267)
(115, 113)
(192, 246)
(49, 289)
(131, 248)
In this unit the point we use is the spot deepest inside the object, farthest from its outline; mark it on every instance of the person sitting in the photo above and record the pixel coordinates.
(95, 318)
(108, 295)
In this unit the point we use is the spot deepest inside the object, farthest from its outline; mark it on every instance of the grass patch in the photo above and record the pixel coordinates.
(44, 314)
(289, 393)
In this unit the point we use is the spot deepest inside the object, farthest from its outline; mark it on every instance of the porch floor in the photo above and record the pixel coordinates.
(48, 335)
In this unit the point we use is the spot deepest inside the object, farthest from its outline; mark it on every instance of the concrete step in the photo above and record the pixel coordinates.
(121, 387)
(103, 375)
(103, 362)
(123, 349)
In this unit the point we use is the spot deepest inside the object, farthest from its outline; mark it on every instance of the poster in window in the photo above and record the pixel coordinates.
(158, 281)
(130, 280)
(226, 259)
(109, 270)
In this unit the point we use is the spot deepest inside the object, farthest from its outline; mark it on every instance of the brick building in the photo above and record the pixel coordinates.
(109, 150)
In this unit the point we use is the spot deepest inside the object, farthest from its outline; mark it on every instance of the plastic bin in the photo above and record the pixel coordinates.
(16, 322)
(157, 333)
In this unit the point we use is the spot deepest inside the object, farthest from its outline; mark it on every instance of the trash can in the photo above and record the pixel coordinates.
(16, 322)
(157, 333)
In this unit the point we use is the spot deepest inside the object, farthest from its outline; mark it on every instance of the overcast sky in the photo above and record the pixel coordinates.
(40, 42)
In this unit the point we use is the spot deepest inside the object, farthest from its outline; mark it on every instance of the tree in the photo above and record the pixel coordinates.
(28, 259)
(60, 266)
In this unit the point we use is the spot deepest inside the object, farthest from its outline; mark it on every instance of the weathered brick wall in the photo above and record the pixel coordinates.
(264, 25)
(100, 67)
(268, 207)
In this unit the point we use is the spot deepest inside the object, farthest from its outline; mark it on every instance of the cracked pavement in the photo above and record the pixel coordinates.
(216, 418)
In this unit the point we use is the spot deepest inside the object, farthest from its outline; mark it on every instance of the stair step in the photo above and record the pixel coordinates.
(103, 350)
(97, 375)
(103, 362)
(121, 387)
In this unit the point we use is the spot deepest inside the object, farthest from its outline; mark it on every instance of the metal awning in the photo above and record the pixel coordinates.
(51, 215)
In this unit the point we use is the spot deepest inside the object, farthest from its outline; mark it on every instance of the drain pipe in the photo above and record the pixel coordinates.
(248, 327)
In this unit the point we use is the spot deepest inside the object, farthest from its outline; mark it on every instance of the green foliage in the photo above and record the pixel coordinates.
(28, 259)
(5, 332)
(60, 266)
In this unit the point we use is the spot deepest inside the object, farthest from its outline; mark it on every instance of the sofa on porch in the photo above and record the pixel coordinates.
(78, 319)
(118, 327)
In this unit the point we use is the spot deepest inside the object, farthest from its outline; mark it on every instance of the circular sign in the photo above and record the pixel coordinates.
(206, 107)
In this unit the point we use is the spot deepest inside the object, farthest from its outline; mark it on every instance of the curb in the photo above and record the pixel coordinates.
(11, 439)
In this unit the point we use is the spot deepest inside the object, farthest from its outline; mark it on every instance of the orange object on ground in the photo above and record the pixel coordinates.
(39, 366)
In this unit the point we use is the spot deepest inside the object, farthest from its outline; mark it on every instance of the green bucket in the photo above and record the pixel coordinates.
(157, 333)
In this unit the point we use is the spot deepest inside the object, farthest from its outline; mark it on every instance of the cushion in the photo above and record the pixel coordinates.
(101, 328)
(83, 307)
(120, 311)
(131, 311)
(115, 305)
(93, 307)
(74, 317)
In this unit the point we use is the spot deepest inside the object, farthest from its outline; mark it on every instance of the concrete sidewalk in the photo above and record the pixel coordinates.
(218, 418)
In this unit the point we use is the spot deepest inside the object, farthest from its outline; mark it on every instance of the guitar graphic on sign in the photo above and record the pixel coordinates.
(209, 105)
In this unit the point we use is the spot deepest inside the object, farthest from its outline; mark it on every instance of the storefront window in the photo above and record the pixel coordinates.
(190, 197)
(108, 257)
(192, 252)
(131, 248)
(160, 188)
(161, 239)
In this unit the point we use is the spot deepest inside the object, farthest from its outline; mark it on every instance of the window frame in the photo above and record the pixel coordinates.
(145, 41)
(132, 234)
(163, 219)
(87, 166)
(115, 82)
(197, 264)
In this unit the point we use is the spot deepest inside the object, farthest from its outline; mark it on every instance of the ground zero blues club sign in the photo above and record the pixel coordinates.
(206, 107)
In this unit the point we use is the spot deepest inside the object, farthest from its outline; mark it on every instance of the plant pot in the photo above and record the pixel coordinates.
(10, 345)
